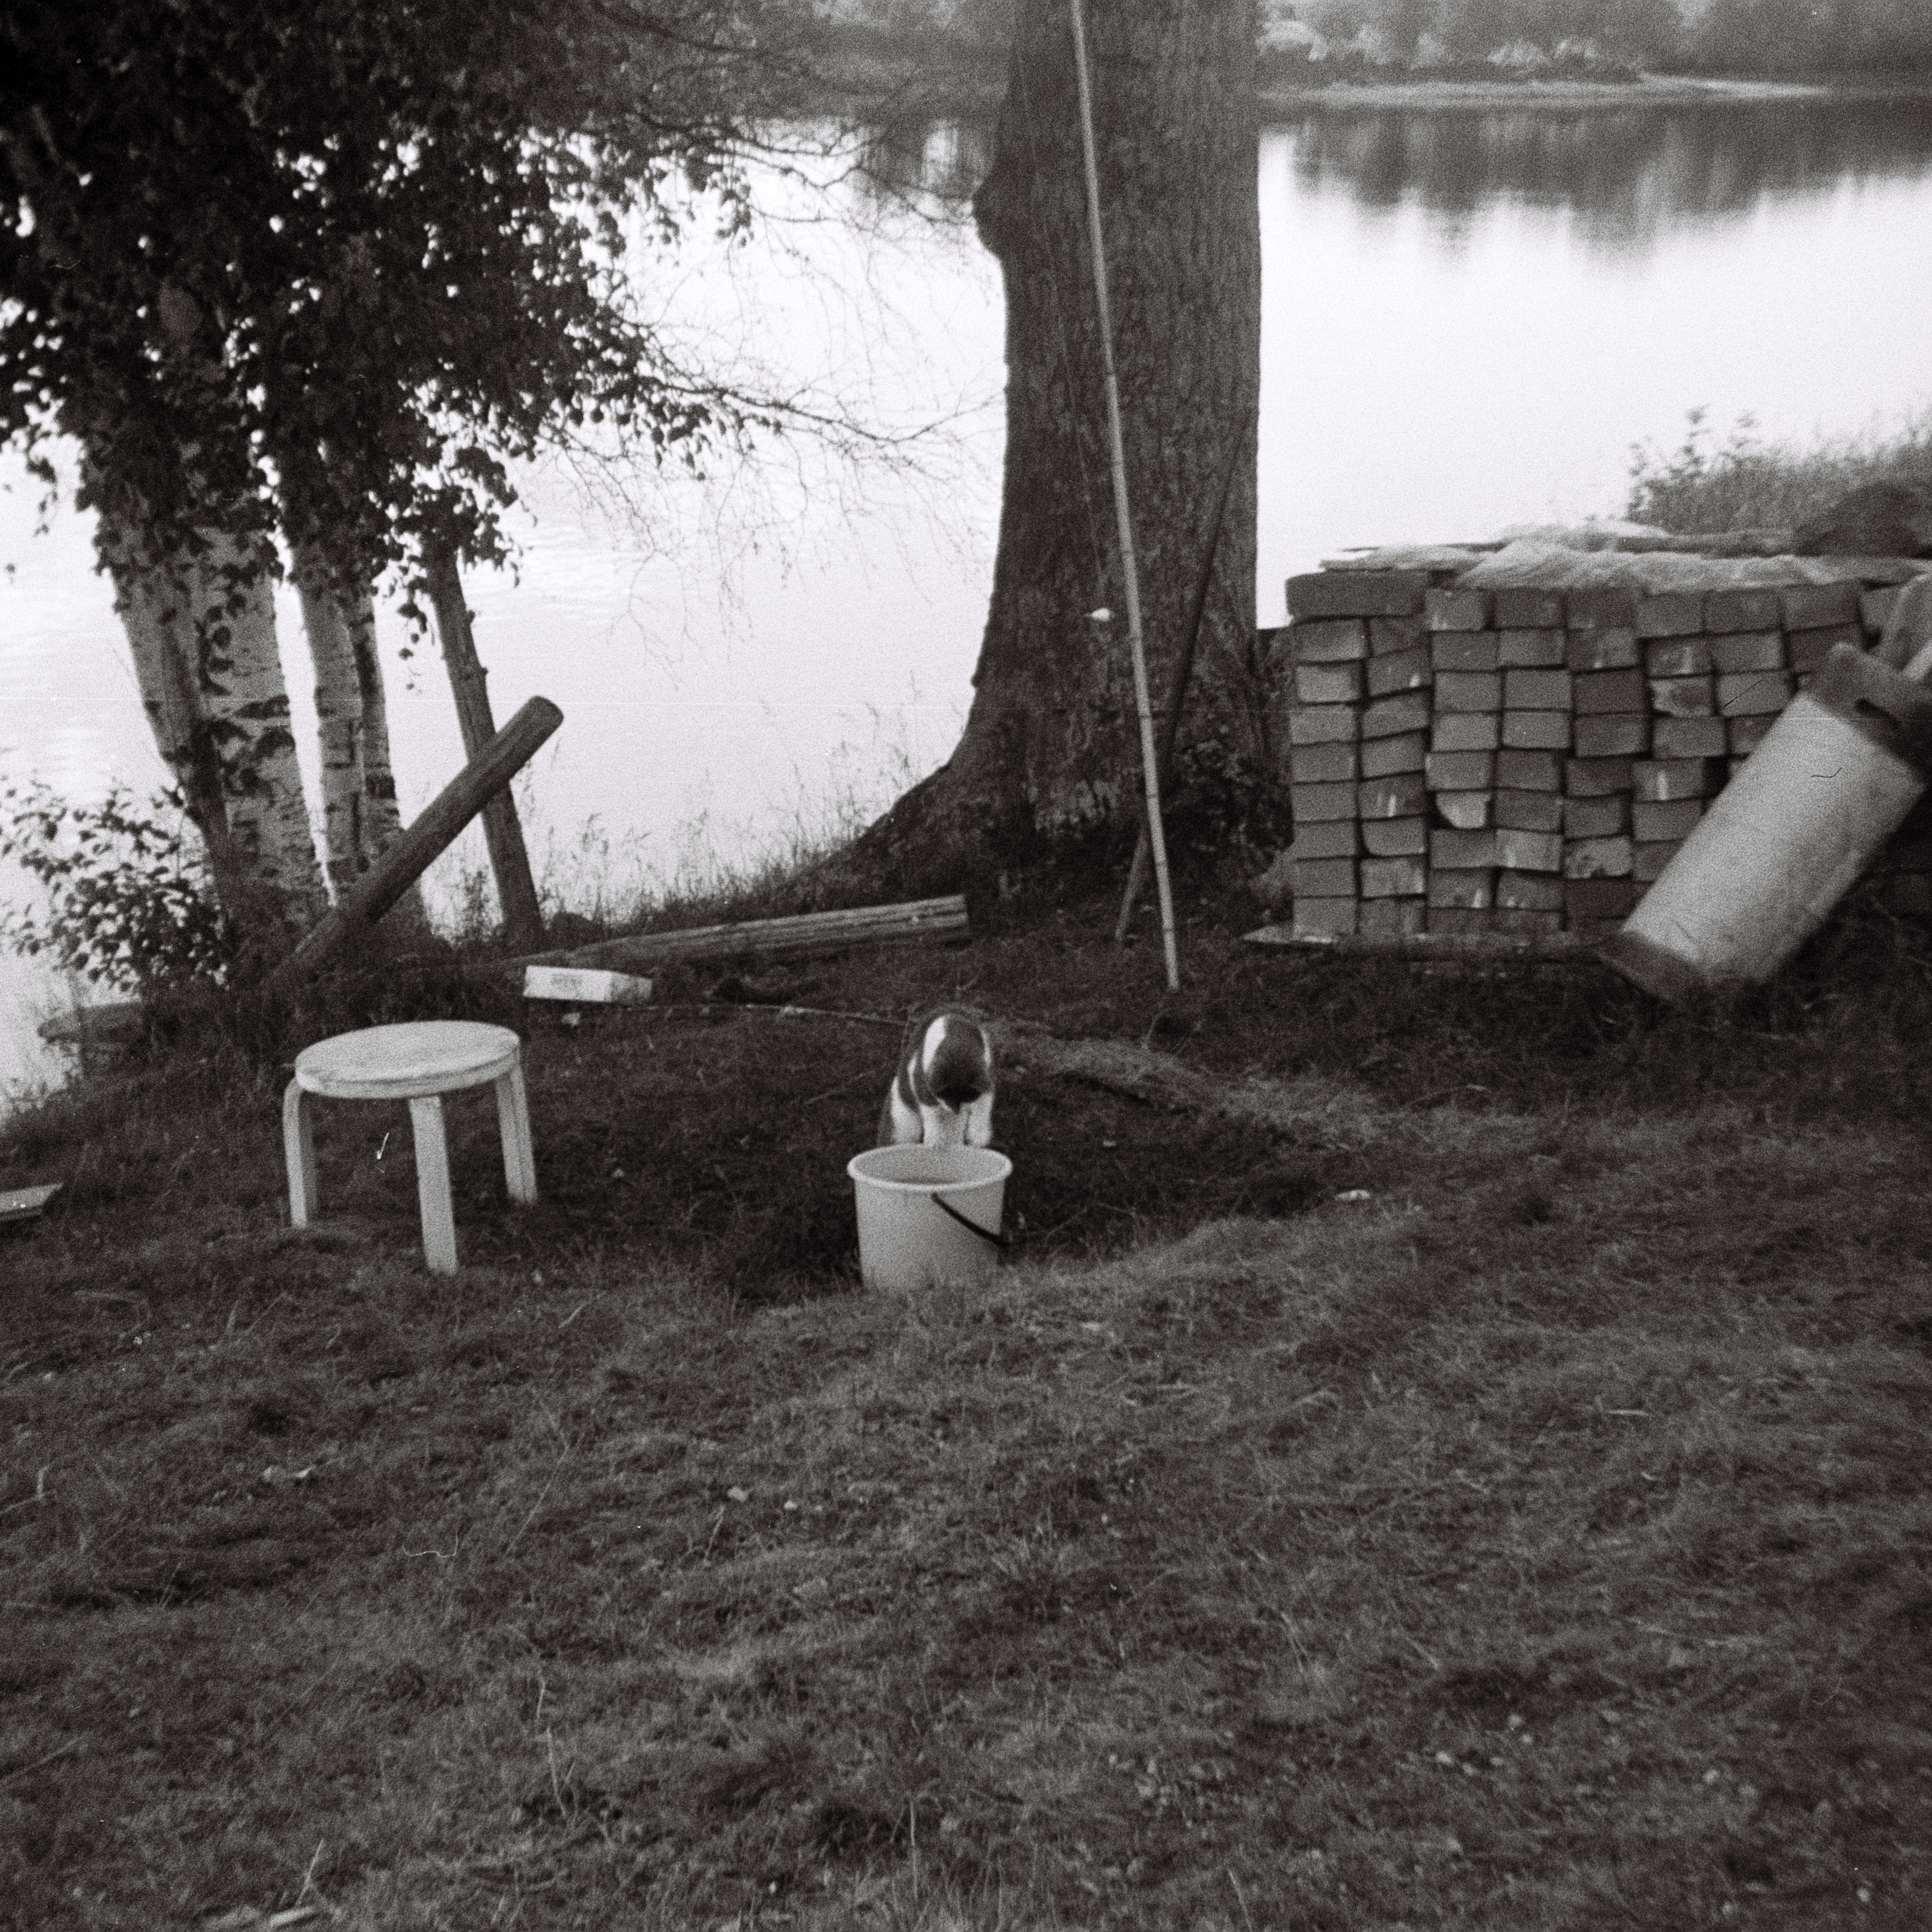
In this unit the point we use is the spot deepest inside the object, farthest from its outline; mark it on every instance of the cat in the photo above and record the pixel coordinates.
(943, 1093)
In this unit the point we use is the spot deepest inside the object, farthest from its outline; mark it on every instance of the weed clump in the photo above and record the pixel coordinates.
(1748, 483)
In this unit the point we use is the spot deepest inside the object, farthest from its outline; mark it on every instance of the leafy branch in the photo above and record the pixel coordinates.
(129, 902)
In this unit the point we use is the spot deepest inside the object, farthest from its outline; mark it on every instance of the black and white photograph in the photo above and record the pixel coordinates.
(965, 965)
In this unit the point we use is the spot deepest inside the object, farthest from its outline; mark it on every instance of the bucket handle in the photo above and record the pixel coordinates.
(985, 1233)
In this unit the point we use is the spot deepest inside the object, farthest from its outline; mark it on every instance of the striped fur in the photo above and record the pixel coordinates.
(943, 1093)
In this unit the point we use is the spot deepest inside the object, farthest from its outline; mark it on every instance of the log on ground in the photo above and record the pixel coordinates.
(805, 935)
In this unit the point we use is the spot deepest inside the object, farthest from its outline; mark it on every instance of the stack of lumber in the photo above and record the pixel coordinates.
(1517, 745)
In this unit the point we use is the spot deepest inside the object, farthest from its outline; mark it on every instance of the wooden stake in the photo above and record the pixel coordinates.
(1136, 643)
(516, 891)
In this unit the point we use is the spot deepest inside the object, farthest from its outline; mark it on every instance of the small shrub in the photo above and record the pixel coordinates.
(129, 900)
(1746, 483)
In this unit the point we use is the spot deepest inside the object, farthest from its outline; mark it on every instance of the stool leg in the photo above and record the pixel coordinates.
(513, 1121)
(439, 1218)
(298, 1149)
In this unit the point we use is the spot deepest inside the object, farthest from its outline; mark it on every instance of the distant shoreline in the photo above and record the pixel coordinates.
(861, 85)
(1651, 91)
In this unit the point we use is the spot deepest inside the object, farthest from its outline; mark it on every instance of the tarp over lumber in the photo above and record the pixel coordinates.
(1536, 563)
(1607, 556)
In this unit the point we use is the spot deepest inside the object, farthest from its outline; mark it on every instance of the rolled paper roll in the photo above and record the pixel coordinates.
(1889, 706)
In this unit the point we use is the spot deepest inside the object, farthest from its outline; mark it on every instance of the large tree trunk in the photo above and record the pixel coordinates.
(201, 630)
(1050, 753)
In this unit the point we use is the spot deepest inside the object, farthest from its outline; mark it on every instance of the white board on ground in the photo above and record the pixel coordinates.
(585, 986)
(17, 1204)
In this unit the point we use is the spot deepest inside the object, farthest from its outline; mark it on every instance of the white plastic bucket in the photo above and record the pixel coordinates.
(906, 1238)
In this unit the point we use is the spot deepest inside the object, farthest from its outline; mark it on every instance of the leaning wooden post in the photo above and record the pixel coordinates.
(516, 891)
(404, 861)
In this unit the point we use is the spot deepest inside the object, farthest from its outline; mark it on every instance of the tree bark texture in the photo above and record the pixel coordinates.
(382, 814)
(201, 630)
(360, 816)
(159, 641)
(1050, 752)
(338, 721)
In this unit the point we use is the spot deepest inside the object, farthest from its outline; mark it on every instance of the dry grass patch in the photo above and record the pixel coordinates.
(1544, 1541)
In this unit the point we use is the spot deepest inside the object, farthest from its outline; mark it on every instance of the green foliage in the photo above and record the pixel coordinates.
(355, 257)
(1803, 36)
(1603, 39)
(1575, 33)
(1745, 483)
(129, 902)
(1221, 799)
(1722, 36)
(1682, 488)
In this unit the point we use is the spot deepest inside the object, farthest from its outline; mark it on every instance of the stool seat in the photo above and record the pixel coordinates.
(401, 1063)
(418, 1061)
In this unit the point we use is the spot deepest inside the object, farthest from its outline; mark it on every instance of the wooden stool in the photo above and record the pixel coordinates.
(418, 1063)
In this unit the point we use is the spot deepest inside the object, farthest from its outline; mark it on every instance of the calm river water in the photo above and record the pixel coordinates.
(1469, 317)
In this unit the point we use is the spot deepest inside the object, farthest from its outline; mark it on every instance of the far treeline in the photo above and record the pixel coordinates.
(1784, 38)
(1305, 42)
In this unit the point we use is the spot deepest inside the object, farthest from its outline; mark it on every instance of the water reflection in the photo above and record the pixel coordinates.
(919, 158)
(1626, 176)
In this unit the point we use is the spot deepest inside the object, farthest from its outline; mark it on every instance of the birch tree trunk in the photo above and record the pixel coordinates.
(1049, 756)
(201, 630)
(199, 609)
(239, 682)
(338, 719)
(161, 640)
(360, 819)
(382, 816)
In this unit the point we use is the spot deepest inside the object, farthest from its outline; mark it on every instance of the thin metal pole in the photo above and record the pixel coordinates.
(1136, 646)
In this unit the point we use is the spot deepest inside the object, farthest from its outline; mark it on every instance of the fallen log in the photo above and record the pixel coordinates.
(111, 1023)
(1500, 949)
(805, 935)
(405, 862)
(23, 1204)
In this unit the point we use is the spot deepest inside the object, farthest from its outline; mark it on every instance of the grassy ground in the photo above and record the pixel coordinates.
(1543, 1540)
